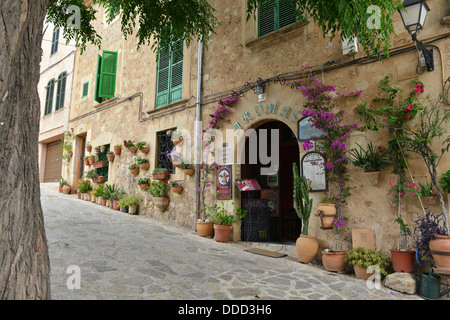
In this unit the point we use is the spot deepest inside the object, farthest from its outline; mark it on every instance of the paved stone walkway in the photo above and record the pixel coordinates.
(121, 256)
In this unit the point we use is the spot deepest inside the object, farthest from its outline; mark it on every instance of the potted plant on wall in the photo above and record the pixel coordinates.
(142, 163)
(110, 155)
(160, 173)
(159, 190)
(134, 169)
(175, 135)
(130, 145)
(117, 149)
(88, 147)
(425, 190)
(371, 161)
(187, 169)
(143, 147)
(175, 186)
(175, 157)
(143, 183)
(91, 160)
(306, 245)
(363, 259)
(86, 160)
(223, 222)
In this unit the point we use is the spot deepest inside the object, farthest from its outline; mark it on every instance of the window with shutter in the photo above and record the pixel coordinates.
(49, 97)
(55, 40)
(61, 91)
(275, 15)
(105, 86)
(170, 75)
(85, 90)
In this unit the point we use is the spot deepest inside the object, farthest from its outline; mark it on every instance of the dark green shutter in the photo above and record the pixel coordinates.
(273, 16)
(286, 13)
(162, 95)
(176, 76)
(108, 73)
(49, 97)
(55, 40)
(85, 90)
(61, 91)
(266, 19)
(97, 80)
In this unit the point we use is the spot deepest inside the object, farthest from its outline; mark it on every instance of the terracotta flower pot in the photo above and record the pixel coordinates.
(372, 177)
(177, 141)
(326, 213)
(60, 189)
(79, 194)
(93, 198)
(144, 166)
(144, 186)
(204, 229)
(161, 175)
(307, 248)
(132, 149)
(117, 151)
(89, 148)
(86, 162)
(67, 189)
(403, 261)
(100, 179)
(116, 205)
(334, 261)
(91, 161)
(361, 273)
(431, 200)
(110, 157)
(222, 233)
(134, 171)
(177, 189)
(176, 163)
(440, 250)
(145, 150)
(189, 172)
(104, 200)
(161, 203)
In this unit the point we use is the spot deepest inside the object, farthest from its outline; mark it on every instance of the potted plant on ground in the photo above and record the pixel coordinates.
(159, 189)
(187, 169)
(99, 193)
(130, 145)
(371, 161)
(134, 169)
(160, 173)
(334, 260)
(64, 186)
(403, 259)
(117, 149)
(133, 203)
(362, 258)
(84, 187)
(175, 186)
(142, 163)
(143, 147)
(176, 136)
(143, 183)
(204, 226)
(223, 222)
(306, 245)
(110, 155)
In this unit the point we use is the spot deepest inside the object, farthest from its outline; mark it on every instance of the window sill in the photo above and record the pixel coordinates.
(296, 27)
(106, 103)
(168, 108)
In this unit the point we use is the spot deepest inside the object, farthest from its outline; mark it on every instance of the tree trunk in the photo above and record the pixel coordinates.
(24, 261)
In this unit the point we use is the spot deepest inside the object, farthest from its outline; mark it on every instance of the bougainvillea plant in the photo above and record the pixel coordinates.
(222, 110)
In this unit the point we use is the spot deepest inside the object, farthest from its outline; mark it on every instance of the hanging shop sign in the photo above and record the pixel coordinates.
(313, 170)
(248, 185)
(223, 183)
(305, 131)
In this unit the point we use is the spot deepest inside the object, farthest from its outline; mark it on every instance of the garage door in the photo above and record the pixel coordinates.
(53, 162)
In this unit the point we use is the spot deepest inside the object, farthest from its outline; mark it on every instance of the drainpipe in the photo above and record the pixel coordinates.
(198, 129)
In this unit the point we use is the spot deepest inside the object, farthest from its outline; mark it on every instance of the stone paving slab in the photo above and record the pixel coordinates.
(122, 256)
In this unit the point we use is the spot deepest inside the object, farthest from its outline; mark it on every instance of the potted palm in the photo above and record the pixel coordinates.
(143, 147)
(223, 222)
(306, 245)
(143, 183)
(99, 193)
(159, 189)
(371, 161)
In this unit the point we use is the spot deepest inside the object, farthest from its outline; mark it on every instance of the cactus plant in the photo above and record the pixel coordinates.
(302, 202)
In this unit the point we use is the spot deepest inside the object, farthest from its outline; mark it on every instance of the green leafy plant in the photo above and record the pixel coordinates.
(364, 258)
(134, 166)
(423, 189)
(141, 160)
(141, 145)
(99, 190)
(85, 186)
(156, 170)
(184, 166)
(112, 192)
(128, 143)
(218, 214)
(445, 182)
(118, 146)
(143, 181)
(302, 202)
(92, 174)
(174, 184)
(371, 160)
(62, 182)
(159, 188)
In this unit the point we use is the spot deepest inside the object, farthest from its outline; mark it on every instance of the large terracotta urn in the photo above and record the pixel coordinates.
(440, 250)
(307, 248)
(326, 213)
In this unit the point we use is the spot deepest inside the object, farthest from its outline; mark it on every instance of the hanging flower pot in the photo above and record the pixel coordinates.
(176, 163)
(132, 149)
(145, 150)
(431, 200)
(189, 172)
(326, 213)
(134, 169)
(110, 155)
(160, 174)
(117, 149)
(161, 203)
(91, 161)
(86, 161)
(177, 141)
(177, 190)
(144, 166)
(88, 148)
(100, 164)
(372, 177)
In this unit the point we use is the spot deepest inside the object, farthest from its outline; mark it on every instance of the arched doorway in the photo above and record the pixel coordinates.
(271, 217)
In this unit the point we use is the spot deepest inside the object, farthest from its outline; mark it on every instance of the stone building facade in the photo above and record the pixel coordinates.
(55, 85)
(232, 62)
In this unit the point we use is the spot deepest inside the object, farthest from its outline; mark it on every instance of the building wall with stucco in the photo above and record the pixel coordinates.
(234, 58)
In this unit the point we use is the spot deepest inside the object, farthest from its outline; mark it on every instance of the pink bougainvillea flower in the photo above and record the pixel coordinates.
(392, 183)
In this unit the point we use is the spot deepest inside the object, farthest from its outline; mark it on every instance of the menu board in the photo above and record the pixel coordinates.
(314, 171)
(223, 183)
(248, 185)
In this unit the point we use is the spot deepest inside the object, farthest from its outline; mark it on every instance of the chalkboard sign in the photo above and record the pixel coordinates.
(314, 171)
(306, 131)
(256, 224)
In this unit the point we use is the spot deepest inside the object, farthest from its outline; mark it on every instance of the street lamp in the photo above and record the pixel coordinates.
(413, 17)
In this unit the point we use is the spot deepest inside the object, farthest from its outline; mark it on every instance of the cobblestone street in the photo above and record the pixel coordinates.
(121, 256)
